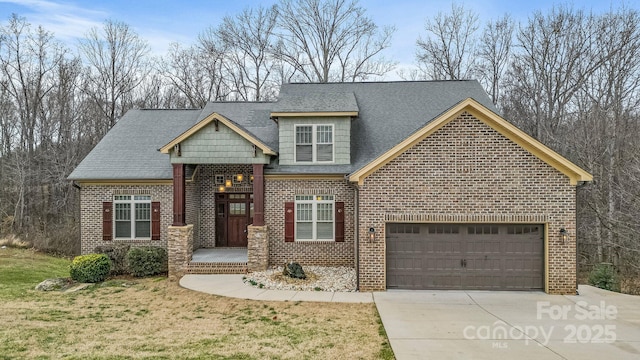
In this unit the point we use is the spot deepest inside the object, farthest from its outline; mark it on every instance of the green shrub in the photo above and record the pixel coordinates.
(604, 276)
(90, 268)
(118, 256)
(147, 261)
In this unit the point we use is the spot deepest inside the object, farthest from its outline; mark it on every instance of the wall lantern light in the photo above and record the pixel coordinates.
(177, 149)
(239, 178)
(227, 183)
(372, 234)
(564, 234)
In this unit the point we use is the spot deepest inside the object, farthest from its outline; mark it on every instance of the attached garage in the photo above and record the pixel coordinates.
(465, 256)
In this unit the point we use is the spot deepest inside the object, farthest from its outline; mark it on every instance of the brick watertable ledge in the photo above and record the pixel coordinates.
(216, 268)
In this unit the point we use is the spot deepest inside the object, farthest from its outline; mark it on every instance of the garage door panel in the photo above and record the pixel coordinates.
(465, 256)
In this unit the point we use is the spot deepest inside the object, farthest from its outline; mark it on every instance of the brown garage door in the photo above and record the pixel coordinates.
(465, 256)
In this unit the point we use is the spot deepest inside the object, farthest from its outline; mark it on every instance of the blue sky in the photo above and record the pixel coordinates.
(162, 22)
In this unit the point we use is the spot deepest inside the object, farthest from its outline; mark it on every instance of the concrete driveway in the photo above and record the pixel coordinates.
(596, 324)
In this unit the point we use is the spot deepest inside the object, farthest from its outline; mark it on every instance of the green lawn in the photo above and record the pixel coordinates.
(21, 270)
(153, 318)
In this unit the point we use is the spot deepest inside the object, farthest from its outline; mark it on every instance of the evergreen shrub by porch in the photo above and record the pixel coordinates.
(118, 256)
(604, 276)
(147, 261)
(90, 268)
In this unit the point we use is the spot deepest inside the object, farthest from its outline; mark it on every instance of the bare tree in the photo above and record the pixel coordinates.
(28, 60)
(249, 40)
(197, 73)
(606, 141)
(332, 40)
(448, 51)
(118, 63)
(557, 55)
(494, 54)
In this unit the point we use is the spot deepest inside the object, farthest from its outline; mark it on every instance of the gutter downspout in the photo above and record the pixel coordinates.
(579, 186)
(356, 226)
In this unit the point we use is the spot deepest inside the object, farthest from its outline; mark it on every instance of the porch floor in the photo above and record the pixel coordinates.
(220, 255)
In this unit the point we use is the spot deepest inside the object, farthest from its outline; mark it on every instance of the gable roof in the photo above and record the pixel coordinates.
(493, 120)
(391, 116)
(230, 124)
(129, 151)
(388, 113)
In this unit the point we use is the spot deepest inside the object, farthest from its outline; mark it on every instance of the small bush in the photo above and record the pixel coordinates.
(118, 256)
(604, 276)
(147, 261)
(90, 268)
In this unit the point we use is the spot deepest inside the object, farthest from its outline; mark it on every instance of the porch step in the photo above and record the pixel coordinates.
(217, 268)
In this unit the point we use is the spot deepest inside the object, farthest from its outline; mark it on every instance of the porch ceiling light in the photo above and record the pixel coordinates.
(221, 188)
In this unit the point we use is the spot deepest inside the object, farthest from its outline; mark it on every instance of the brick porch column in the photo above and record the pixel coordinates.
(178, 195)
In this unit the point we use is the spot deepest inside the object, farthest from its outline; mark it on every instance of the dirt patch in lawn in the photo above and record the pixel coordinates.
(156, 318)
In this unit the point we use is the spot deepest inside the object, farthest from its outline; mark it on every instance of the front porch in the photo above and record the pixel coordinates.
(218, 261)
(222, 204)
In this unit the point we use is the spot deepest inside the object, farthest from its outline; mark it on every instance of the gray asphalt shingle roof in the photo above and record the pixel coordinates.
(335, 101)
(388, 113)
(129, 151)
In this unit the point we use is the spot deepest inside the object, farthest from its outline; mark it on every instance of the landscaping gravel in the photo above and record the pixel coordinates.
(319, 278)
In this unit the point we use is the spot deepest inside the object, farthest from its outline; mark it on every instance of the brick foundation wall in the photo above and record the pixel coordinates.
(467, 169)
(91, 198)
(320, 253)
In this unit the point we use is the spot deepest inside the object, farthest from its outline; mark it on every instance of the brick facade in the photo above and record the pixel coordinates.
(91, 199)
(323, 253)
(464, 172)
(467, 170)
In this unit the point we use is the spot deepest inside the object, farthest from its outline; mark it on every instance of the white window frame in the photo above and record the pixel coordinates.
(132, 201)
(314, 200)
(314, 144)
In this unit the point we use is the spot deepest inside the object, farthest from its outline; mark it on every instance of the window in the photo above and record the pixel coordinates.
(314, 143)
(132, 216)
(314, 217)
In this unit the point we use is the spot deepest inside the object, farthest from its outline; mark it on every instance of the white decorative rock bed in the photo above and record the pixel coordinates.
(319, 278)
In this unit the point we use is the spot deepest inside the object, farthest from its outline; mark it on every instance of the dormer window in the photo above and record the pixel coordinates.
(314, 143)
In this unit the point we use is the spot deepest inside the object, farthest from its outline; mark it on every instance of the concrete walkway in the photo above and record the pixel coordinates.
(233, 286)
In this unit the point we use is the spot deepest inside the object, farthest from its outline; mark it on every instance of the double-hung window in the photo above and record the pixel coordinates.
(132, 216)
(314, 143)
(314, 217)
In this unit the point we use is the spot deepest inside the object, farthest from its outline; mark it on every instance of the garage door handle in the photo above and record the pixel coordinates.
(463, 263)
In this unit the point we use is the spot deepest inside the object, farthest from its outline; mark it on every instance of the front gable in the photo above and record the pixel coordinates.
(217, 140)
(491, 119)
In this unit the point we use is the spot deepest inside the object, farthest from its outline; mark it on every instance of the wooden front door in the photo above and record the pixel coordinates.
(233, 213)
